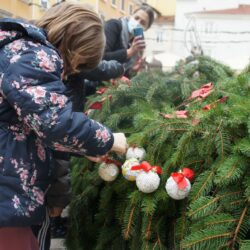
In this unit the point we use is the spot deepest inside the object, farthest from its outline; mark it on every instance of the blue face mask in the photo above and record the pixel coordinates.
(132, 24)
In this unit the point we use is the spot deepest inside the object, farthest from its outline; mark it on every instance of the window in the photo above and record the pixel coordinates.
(44, 4)
(130, 9)
(113, 2)
(123, 5)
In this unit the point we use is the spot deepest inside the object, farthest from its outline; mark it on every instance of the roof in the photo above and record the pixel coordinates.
(243, 9)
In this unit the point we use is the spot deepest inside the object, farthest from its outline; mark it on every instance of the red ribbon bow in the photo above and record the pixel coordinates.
(180, 177)
(202, 92)
(109, 161)
(99, 104)
(145, 166)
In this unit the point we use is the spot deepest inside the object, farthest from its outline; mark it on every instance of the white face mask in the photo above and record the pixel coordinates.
(132, 24)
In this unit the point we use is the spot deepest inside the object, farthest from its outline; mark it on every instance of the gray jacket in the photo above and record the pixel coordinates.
(59, 193)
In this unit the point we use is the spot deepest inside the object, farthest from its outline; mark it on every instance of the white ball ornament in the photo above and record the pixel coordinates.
(126, 169)
(108, 171)
(174, 191)
(147, 182)
(134, 152)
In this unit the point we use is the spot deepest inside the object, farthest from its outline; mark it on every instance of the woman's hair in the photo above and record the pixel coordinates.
(78, 34)
(149, 11)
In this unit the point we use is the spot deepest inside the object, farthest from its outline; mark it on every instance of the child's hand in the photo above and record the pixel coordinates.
(55, 211)
(120, 143)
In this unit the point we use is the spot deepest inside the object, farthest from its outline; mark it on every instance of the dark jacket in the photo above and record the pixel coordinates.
(59, 193)
(35, 117)
(114, 48)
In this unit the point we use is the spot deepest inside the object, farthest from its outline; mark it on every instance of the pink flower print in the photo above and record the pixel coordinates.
(33, 178)
(62, 100)
(53, 98)
(4, 34)
(105, 136)
(65, 139)
(41, 153)
(38, 194)
(39, 92)
(16, 46)
(54, 58)
(102, 135)
(26, 130)
(18, 110)
(59, 147)
(20, 137)
(15, 58)
(58, 99)
(75, 141)
(47, 65)
(14, 162)
(31, 208)
(42, 55)
(23, 173)
(98, 134)
(16, 84)
(16, 201)
(1, 159)
(25, 188)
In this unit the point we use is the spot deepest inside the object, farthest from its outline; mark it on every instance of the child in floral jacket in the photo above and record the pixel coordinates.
(35, 115)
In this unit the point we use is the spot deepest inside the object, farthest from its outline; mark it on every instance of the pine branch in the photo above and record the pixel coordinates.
(245, 245)
(202, 185)
(202, 207)
(207, 239)
(232, 243)
(128, 228)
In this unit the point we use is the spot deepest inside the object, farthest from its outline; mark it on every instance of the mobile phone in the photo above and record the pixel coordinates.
(138, 32)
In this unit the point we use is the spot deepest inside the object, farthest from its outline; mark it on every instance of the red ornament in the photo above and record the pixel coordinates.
(180, 180)
(188, 173)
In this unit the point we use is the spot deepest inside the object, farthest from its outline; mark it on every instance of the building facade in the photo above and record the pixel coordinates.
(220, 28)
(33, 9)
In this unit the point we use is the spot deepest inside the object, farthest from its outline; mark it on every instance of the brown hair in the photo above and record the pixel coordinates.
(149, 11)
(78, 34)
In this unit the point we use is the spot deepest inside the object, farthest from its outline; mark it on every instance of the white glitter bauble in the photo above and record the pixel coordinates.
(147, 182)
(134, 152)
(126, 169)
(174, 191)
(108, 172)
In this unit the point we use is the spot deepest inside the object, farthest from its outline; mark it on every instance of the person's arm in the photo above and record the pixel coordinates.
(33, 87)
(113, 32)
(105, 71)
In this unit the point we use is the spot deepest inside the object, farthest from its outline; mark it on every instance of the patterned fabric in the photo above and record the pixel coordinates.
(35, 117)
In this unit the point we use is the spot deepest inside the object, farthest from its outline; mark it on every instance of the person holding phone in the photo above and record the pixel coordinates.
(124, 37)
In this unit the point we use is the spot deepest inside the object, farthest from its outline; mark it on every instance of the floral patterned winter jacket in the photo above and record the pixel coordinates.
(35, 118)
